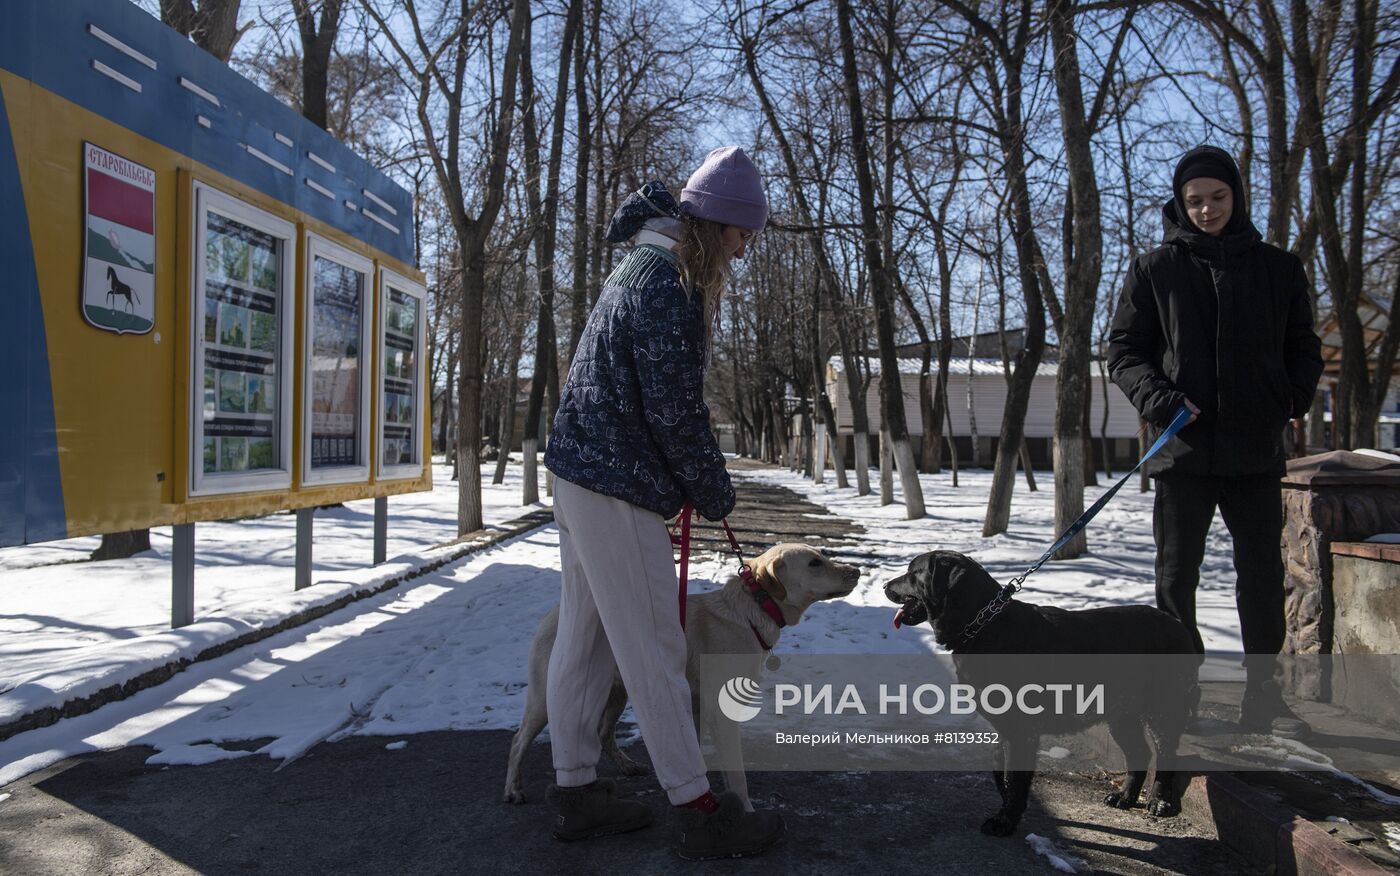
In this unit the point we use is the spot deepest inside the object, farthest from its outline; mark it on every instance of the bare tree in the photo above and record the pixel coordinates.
(1359, 397)
(317, 43)
(437, 69)
(829, 289)
(213, 24)
(891, 389)
(1000, 57)
(544, 216)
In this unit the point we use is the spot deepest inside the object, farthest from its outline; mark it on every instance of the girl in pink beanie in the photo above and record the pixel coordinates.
(722, 208)
(631, 445)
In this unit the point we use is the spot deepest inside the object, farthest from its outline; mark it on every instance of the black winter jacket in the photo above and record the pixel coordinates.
(1226, 322)
(632, 420)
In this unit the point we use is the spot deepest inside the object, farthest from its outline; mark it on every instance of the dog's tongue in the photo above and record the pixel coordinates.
(899, 615)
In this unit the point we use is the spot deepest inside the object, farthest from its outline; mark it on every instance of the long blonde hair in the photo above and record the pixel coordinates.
(704, 266)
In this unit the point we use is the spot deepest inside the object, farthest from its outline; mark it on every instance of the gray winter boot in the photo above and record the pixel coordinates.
(1263, 710)
(728, 832)
(593, 810)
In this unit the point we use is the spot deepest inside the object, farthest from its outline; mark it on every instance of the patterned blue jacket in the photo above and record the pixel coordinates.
(632, 420)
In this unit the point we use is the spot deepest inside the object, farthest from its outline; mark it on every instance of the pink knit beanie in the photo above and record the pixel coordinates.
(727, 189)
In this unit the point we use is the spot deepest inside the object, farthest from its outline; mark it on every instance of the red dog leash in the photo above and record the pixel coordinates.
(684, 541)
(761, 596)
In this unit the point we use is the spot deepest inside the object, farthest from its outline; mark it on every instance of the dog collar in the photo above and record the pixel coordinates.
(766, 602)
(763, 598)
(987, 614)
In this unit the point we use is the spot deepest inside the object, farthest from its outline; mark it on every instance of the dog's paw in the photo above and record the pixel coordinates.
(999, 825)
(514, 796)
(1163, 808)
(1119, 800)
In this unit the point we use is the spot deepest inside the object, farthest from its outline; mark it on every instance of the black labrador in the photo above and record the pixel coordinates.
(951, 591)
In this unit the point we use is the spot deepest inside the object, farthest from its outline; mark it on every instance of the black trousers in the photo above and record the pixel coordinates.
(1252, 508)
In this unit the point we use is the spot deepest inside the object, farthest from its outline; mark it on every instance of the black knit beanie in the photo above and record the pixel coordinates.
(1215, 163)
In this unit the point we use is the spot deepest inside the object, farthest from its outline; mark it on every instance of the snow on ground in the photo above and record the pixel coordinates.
(54, 601)
(448, 650)
(1117, 571)
(1054, 856)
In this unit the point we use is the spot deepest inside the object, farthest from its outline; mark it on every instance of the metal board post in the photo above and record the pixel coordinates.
(182, 576)
(381, 529)
(303, 572)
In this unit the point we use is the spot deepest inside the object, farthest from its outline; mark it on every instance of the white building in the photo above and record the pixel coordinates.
(987, 383)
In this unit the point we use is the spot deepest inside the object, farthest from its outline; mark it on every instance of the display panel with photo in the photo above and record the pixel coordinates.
(400, 432)
(242, 347)
(337, 312)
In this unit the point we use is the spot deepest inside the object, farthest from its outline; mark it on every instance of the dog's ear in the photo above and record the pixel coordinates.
(766, 572)
(962, 580)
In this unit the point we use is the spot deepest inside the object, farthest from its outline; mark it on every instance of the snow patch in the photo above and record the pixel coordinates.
(1060, 860)
(1392, 835)
(397, 746)
(193, 755)
(1290, 754)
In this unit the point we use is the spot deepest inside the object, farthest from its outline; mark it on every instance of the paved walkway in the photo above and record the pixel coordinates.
(433, 807)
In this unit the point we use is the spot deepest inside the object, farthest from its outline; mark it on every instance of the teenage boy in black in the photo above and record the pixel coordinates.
(1221, 322)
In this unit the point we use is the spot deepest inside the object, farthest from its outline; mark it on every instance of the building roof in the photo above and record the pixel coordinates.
(1375, 320)
(986, 342)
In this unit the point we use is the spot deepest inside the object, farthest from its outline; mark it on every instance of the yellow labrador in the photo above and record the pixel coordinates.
(730, 620)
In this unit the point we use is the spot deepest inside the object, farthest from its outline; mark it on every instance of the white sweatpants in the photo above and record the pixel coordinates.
(618, 601)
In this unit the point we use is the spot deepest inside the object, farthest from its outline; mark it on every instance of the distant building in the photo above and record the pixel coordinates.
(1375, 322)
(986, 378)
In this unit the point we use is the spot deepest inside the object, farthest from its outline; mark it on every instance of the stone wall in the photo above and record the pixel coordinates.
(1314, 518)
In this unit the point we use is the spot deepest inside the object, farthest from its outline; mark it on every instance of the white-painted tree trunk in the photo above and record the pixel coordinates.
(971, 362)
(530, 486)
(819, 454)
(838, 462)
(862, 444)
(909, 480)
(886, 470)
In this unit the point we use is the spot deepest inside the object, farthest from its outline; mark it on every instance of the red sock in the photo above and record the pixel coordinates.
(706, 803)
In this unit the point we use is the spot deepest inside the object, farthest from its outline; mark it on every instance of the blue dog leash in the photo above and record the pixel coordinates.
(993, 608)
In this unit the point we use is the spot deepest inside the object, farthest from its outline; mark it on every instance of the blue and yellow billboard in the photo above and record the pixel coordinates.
(210, 304)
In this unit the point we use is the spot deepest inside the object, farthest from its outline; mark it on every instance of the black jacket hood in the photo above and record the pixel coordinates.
(651, 201)
(1240, 234)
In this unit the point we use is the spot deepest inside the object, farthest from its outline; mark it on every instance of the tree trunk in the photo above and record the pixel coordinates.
(512, 387)
(886, 469)
(473, 234)
(1103, 423)
(316, 48)
(544, 212)
(1013, 422)
(507, 423)
(213, 26)
(976, 461)
(1082, 273)
(826, 273)
(578, 296)
(120, 545)
(952, 444)
(891, 391)
(826, 417)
